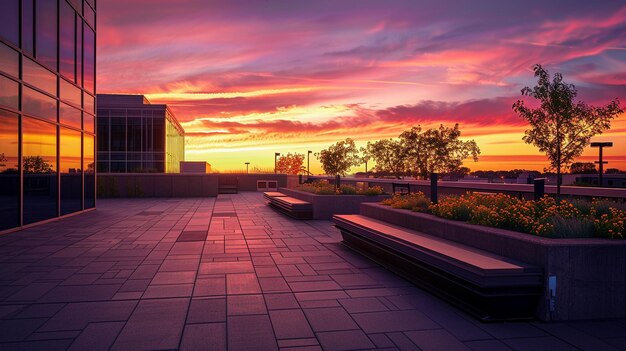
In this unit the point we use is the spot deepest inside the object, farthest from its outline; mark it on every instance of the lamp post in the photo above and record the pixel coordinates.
(247, 164)
(276, 154)
(308, 170)
(600, 146)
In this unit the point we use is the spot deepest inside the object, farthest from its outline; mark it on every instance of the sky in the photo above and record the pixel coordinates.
(250, 78)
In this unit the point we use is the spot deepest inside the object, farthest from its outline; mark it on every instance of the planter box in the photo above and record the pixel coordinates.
(590, 274)
(325, 206)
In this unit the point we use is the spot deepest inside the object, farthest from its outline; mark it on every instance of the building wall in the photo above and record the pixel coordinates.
(47, 99)
(174, 144)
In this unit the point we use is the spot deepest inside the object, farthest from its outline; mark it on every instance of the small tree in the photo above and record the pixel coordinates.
(37, 164)
(436, 150)
(389, 156)
(290, 163)
(339, 158)
(583, 168)
(560, 127)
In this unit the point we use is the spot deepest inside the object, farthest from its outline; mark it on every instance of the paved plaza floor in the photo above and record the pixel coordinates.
(230, 273)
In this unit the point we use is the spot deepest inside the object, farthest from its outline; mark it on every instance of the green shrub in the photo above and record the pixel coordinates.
(373, 191)
(347, 190)
(416, 202)
(571, 227)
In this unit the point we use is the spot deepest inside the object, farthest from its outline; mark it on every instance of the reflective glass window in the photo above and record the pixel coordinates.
(9, 92)
(92, 3)
(90, 16)
(78, 5)
(89, 59)
(36, 75)
(9, 21)
(70, 116)
(46, 32)
(70, 93)
(39, 162)
(79, 52)
(90, 170)
(88, 123)
(28, 26)
(89, 103)
(37, 104)
(9, 61)
(70, 165)
(67, 40)
(9, 174)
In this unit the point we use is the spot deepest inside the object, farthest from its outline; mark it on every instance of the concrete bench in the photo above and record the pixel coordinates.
(292, 207)
(268, 195)
(489, 286)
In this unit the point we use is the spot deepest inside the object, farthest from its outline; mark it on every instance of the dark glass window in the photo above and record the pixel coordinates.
(90, 170)
(37, 104)
(118, 167)
(79, 53)
(70, 166)
(88, 123)
(103, 133)
(158, 134)
(39, 149)
(89, 61)
(9, 21)
(103, 166)
(9, 175)
(118, 134)
(70, 93)
(67, 37)
(134, 134)
(46, 32)
(37, 76)
(28, 26)
(70, 116)
(9, 61)
(9, 92)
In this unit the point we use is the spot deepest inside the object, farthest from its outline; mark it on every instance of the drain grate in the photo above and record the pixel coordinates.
(192, 235)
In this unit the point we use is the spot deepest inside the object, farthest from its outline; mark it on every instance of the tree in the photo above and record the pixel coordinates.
(339, 157)
(560, 127)
(290, 163)
(459, 173)
(389, 156)
(583, 168)
(3, 159)
(366, 156)
(37, 164)
(614, 171)
(436, 150)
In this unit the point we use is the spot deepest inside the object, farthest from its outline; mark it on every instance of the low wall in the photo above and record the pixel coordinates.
(325, 206)
(590, 273)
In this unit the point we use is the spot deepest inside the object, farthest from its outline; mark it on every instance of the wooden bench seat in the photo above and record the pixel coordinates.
(488, 286)
(268, 195)
(292, 207)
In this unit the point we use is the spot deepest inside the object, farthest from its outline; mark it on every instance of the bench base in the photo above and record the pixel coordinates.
(485, 303)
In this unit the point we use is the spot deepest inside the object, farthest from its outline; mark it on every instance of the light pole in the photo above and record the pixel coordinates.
(247, 164)
(308, 170)
(600, 146)
(276, 154)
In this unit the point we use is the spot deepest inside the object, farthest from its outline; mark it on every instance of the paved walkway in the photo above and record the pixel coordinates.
(143, 274)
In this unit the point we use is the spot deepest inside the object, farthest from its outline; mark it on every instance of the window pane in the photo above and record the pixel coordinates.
(134, 134)
(70, 116)
(28, 26)
(67, 36)
(39, 77)
(9, 21)
(78, 5)
(103, 133)
(70, 93)
(37, 104)
(79, 53)
(9, 61)
(90, 173)
(158, 134)
(39, 148)
(46, 34)
(118, 134)
(70, 169)
(9, 176)
(89, 104)
(88, 123)
(89, 64)
(90, 16)
(9, 92)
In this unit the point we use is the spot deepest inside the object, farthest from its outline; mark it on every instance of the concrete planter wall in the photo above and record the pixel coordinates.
(325, 206)
(590, 273)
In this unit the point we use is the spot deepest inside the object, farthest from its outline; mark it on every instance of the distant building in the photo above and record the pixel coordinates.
(135, 136)
(47, 87)
(195, 167)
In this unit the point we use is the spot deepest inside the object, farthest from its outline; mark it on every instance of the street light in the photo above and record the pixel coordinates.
(247, 164)
(276, 154)
(308, 170)
(600, 146)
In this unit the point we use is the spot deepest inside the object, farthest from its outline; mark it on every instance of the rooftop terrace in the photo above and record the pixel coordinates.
(230, 273)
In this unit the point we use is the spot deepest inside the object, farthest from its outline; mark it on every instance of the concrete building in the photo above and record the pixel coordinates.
(197, 167)
(47, 99)
(136, 136)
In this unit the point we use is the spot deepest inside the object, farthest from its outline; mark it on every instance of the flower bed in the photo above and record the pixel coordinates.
(325, 188)
(545, 217)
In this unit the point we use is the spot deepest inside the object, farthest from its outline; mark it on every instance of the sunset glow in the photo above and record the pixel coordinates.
(247, 79)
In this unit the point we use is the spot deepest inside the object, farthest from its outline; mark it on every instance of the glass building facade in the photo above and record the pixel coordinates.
(135, 136)
(47, 99)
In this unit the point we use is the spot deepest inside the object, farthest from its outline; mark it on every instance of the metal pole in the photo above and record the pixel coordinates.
(308, 170)
(601, 167)
(433, 187)
(247, 164)
(539, 187)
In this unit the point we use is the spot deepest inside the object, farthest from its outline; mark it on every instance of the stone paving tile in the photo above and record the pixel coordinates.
(117, 278)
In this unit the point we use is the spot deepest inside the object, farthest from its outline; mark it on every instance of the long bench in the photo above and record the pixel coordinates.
(292, 207)
(486, 285)
(268, 195)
